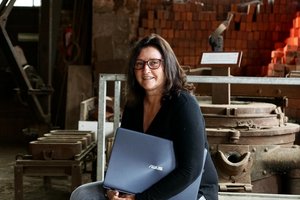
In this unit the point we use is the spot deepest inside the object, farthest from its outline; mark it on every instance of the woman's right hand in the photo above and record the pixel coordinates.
(115, 195)
(112, 194)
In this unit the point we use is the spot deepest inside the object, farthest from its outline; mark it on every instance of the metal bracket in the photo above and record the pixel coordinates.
(236, 187)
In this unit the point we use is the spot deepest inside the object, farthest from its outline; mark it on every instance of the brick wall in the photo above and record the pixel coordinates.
(255, 29)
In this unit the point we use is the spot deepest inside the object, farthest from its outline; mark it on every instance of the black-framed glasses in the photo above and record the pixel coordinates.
(151, 63)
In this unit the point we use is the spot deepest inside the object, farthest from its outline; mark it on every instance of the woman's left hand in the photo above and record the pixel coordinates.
(115, 195)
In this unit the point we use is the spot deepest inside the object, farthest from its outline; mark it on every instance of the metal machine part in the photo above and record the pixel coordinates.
(216, 39)
(249, 142)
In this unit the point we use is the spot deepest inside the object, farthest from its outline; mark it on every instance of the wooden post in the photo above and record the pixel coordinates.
(220, 62)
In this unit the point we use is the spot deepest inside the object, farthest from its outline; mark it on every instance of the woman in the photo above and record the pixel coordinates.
(158, 103)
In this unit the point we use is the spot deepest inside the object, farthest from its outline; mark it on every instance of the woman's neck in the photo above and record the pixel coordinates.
(152, 105)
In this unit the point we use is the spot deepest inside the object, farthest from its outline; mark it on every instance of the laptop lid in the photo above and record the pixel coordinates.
(137, 161)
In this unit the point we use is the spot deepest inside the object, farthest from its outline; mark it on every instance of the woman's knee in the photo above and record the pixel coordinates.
(89, 191)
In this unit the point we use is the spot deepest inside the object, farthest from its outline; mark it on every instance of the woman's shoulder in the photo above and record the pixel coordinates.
(184, 97)
(184, 104)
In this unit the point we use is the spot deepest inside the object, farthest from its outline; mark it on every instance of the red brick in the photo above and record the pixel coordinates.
(259, 18)
(189, 16)
(250, 36)
(279, 45)
(203, 25)
(275, 36)
(256, 35)
(150, 23)
(296, 22)
(144, 23)
(284, 18)
(150, 14)
(295, 32)
(294, 41)
(243, 26)
(183, 16)
(249, 27)
(163, 23)
(234, 7)
(251, 9)
(168, 24)
(177, 16)
(170, 33)
(160, 14)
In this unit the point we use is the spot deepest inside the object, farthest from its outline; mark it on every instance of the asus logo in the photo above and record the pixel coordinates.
(159, 168)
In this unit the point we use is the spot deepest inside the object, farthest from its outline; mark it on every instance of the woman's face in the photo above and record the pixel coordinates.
(152, 80)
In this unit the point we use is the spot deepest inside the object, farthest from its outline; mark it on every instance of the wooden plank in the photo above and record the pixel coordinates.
(221, 92)
(86, 106)
(79, 88)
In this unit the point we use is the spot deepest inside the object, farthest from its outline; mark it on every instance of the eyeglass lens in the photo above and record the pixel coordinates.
(151, 63)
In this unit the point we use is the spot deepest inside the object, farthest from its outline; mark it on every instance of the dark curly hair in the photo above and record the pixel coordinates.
(175, 76)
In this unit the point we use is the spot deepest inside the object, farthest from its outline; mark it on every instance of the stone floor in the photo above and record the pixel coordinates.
(33, 187)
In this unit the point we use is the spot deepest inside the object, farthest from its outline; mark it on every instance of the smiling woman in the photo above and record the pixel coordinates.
(159, 103)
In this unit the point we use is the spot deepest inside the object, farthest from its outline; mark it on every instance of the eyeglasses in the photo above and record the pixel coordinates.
(151, 63)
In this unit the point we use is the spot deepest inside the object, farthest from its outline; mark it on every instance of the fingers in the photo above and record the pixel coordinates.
(115, 195)
(112, 194)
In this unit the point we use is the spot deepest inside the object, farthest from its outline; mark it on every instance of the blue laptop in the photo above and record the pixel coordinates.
(139, 160)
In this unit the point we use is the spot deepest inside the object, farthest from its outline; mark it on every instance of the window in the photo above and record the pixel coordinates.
(26, 3)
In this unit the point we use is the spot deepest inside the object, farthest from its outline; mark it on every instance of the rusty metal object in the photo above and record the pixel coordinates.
(52, 150)
(236, 108)
(294, 181)
(242, 115)
(234, 168)
(61, 145)
(274, 159)
(69, 136)
(26, 165)
(57, 139)
(251, 144)
(74, 132)
(266, 121)
(244, 167)
(254, 136)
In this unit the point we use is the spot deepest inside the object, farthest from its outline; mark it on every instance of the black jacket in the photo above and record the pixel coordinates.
(180, 120)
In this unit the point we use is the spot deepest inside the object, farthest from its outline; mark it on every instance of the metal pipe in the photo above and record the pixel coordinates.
(117, 103)
(282, 158)
(274, 159)
(101, 128)
(244, 80)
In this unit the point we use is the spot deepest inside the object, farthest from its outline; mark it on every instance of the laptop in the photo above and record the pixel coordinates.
(139, 160)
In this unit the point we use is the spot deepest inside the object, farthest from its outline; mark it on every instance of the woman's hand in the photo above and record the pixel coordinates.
(115, 195)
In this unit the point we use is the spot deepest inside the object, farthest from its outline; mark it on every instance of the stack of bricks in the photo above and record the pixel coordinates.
(254, 29)
(286, 58)
(184, 25)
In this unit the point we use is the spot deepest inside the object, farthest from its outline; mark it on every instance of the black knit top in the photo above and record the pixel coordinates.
(180, 120)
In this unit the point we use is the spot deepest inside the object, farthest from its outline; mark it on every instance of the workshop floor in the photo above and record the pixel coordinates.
(33, 187)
